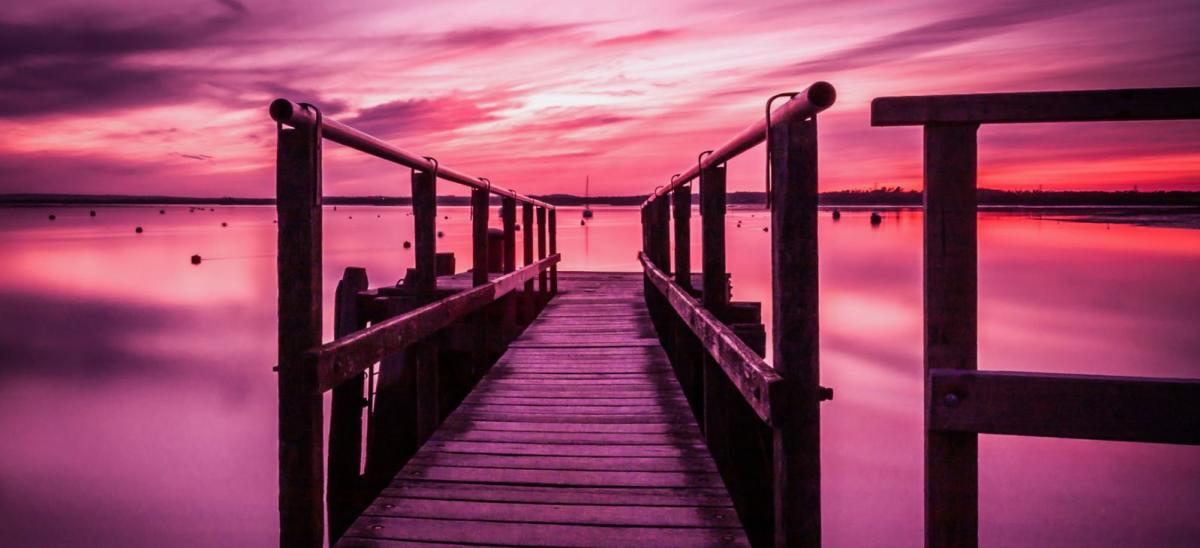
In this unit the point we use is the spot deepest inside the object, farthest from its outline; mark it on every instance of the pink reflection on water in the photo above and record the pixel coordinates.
(139, 406)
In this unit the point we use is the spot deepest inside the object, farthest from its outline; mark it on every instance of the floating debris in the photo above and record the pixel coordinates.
(876, 218)
(138, 230)
(837, 214)
(195, 259)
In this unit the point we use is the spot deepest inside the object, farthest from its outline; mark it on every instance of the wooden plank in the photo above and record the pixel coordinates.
(637, 464)
(566, 478)
(452, 423)
(537, 534)
(951, 458)
(578, 450)
(1066, 406)
(298, 206)
(580, 514)
(626, 496)
(572, 438)
(1053, 106)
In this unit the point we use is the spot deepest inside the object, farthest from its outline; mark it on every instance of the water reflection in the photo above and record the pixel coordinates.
(138, 404)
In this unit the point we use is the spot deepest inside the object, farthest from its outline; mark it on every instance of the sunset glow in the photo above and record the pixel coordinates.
(138, 97)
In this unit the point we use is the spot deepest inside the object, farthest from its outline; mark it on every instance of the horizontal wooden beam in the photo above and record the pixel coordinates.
(1053, 106)
(1065, 406)
(339, 360)
(763, 389)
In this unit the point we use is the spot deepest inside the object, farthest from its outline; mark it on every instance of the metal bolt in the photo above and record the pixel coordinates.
(951, 400)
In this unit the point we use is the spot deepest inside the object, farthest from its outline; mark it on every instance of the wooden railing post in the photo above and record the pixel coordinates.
(543, 280)
(527, 229)
(424, 192)
(660, 252)
(687, 353)
(479, 275)
(951, 458)
(795, 341)
(508, 214)
(682, 201)
(715, 298)
(298, 205)
(343, 489)
(553, 214)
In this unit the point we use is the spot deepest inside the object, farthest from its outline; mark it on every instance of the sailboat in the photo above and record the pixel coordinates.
(587, 201)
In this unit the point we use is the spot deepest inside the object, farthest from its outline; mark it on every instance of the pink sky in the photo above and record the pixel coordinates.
(146, 97)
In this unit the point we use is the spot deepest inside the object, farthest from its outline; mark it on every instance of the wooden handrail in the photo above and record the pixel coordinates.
(345, 357)
(757, 382)
(1065, 406)
(1107, 105)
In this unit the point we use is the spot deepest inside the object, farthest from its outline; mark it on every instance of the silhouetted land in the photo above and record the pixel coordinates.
(890, 196)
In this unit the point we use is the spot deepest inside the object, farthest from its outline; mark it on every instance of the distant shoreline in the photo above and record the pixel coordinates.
(887, 197)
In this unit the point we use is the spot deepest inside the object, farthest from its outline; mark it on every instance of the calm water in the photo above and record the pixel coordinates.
(137, 402)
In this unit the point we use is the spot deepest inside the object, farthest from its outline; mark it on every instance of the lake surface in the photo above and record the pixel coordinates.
(137, 401)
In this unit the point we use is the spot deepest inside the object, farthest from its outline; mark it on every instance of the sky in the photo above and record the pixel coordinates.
(170, 98)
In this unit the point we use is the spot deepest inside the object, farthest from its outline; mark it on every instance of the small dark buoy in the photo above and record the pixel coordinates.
(837, 214)
(377, 215)
(52, 217)
(517, 227)
(446, 217)
(876, 218)
(349, 216)
(407, 244)
(92, 213)
(195, 259)
(581, 223)
(138, 230)
(162, 212)
(335, 208)
(223, 223)
(440, 234)
(764, 229)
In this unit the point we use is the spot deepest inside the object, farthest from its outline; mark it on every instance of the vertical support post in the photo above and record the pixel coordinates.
(508, 214)
(527, 299)
(951, 458)
(553, 214)
(682, 201)
(795, 340)
(298, 205)
(543, 280)
(660, 245)
(479, 244)
(715, 299)
(686, 356)
(346, 415)
(424, 192)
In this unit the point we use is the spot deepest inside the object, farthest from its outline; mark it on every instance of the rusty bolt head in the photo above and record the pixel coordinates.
(951, 400)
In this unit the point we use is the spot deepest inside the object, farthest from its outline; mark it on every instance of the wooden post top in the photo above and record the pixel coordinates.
(1110, 105)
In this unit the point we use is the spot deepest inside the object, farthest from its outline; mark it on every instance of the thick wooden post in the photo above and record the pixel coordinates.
(660, 244)
(951, 458)
(553, 214)
(682, 201)
(543, 279)
(508, 214)
(345, 415)
(424, 353)
(527, 299)
(479, 239)
(795, 340)
(716, 297)
(298, 205)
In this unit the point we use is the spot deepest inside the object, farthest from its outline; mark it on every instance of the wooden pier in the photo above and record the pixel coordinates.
(520, 405)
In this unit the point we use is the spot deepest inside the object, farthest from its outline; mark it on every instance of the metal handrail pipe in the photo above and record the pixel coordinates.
(814, 99)
(292, 114)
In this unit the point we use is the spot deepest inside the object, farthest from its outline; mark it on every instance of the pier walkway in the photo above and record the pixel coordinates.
(578, 435)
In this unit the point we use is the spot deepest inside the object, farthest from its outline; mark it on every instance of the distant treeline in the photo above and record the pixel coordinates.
(887, 196)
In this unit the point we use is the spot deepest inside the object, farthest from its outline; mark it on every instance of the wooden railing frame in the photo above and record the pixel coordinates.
(307, 368)
(787, 396)
(961, 402)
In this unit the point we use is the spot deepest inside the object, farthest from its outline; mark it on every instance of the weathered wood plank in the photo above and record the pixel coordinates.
(639, 464)
(1065, 406)
(537, 534)
(1048, 106)
(579, 514)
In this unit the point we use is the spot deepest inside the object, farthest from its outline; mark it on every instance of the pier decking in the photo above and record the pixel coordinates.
(578, 436)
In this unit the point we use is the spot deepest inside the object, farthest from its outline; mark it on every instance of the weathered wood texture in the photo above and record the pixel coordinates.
(301, 479)
(578, 436)
(951, 300)
(346, 414)
(1048, 106)
(1066, 406)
